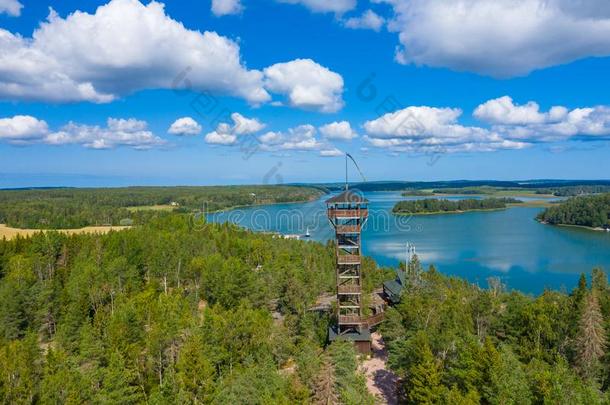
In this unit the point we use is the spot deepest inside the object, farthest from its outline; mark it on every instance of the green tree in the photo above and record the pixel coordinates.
(423, 384)
(509, 384)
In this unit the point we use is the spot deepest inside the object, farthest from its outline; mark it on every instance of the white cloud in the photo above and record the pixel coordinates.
(118, 132)
(528, 123)
(437, 130)
(226, 7)
(81, 57)
(339, 131)
(368, 20)
(503, 111)
(25, 130)
(221, 137)
(433, 130)
(11, 7)
(307, 85)
(226, 134)
(325, 6)
(300, 138)
(501, 38)
(331, 152)
(185, 126)
(22, 128)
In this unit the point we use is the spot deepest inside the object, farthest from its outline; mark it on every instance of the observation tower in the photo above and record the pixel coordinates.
(348, 212)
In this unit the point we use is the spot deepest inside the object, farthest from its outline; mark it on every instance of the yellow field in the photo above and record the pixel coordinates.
(9, 233)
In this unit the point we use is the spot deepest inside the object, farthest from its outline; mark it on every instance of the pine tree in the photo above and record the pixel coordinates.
(324, 385)
(424, 377)
(591, 339)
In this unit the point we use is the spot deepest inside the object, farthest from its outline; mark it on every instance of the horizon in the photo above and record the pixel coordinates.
(600, 181)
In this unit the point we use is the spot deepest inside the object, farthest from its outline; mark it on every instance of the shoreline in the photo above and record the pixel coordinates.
(264, 205)
(588, 228)
(449, 212)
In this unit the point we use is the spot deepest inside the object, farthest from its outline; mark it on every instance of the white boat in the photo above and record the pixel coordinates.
(307, 235)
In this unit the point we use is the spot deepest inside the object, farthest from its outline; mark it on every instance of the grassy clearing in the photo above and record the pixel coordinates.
(152, 208)
(9, 233)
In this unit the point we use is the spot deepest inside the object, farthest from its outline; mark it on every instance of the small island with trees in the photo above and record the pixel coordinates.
(592, 211)
(429, 206)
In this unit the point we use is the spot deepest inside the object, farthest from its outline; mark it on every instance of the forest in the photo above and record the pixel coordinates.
(62, 208)
(452, 342)
(437, 206)
(183, 311)
(173, 311)
(590, 211)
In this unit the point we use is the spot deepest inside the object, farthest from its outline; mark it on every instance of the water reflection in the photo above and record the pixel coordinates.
(510, 244)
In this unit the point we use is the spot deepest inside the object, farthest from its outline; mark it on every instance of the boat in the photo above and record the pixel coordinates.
(307, 234)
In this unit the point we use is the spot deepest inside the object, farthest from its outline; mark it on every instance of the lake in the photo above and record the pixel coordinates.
(509, 244)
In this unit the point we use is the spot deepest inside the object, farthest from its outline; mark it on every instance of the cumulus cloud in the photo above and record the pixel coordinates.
(11, 7)
(503, 111)
(185, 126)
(300, 138)
(117, 132)
(368, 20)
(25, 130)
(226, 7)
(307, 85)
(22, 129)
(81, 57)
(433, 130)
(325, 6)
(331, 152)
(339, 131)
(510, 126)
(527, 122)
(227, 134)
(502, 38)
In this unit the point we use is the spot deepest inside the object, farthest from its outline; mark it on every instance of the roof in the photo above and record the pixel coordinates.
(393, 286)
(363, 336)
(348, 196)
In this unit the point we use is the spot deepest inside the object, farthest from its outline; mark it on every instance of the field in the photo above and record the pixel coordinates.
(162, 207)
(9, 233)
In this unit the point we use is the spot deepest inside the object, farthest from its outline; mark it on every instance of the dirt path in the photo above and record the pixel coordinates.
(380, 381)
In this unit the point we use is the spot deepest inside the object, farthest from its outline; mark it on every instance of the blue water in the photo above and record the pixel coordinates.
(509, 244)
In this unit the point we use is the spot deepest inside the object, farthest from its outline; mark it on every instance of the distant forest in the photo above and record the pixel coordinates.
(78, 207)
(557, 187)
(592, 211)
(434, 205)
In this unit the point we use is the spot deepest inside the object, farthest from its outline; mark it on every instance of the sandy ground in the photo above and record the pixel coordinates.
(380, 381)
(10, 233)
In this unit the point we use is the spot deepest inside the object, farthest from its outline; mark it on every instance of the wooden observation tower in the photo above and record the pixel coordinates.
(348, 212)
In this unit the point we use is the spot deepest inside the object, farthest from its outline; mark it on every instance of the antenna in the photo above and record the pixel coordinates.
(347, 155)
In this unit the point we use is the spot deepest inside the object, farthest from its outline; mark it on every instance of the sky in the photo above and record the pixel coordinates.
(128, 92)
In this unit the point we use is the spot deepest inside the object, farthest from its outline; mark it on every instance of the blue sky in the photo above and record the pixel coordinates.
(275, 90)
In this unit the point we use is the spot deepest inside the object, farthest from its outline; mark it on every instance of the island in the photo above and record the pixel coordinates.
(592, 211)
(431, 206)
